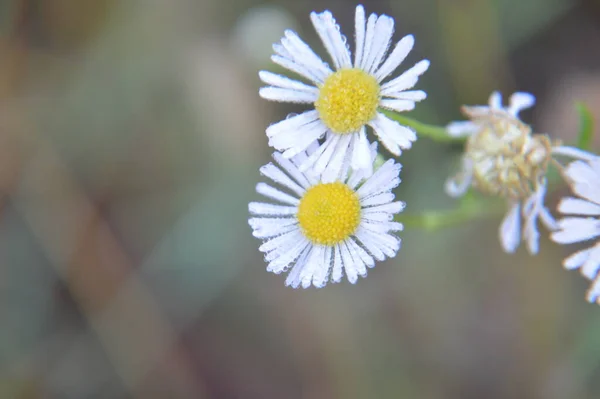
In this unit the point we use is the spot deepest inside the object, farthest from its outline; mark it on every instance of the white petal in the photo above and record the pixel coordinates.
(369, 34)
(284, 82)
(495, 100)
(337, 271)
(332, 39)
(459, 184)
(578, 206)
(403, 47)
(412, 95)
(377, 217)
(520, 101)
(279, 264)
(308, 73)
(384, 28)
(293, 278)
(378, 242)
(573, 230)
(462, 128)
(287, 95)
(261, 208)
(531, 210)
(584, 178)
(273, 193)
(362, 254)
(392, 207)
(359, 29)
(334, 169)
(384, 179)
(303, 54)
(392, 134)
(313, 264)
(510, 234)
(274, 173)
(577, 259)
(292, 123)
(294, 139)
(361, 154)
(282, 242)
(573, 152)
(589, 269)
(397, 105)
(298, 141)
(322, 162)
(405, 81)
(594, 291)
(379, 199)
(322, 273)
(271, 227)
(381, 227)
(349, 264)
(292, 170)
(297, 56)
(355, 252)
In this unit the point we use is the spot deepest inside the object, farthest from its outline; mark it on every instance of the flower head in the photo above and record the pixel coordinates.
(320, 228)
(584, 225)
(504, 158)
(346, 98)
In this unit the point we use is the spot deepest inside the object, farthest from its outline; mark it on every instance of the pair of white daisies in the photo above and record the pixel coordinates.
(335, 215)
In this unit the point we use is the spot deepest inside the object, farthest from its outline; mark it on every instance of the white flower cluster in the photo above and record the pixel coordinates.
(332, 214)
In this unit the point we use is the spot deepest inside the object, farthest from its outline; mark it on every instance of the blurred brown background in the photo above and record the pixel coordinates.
(131, 133)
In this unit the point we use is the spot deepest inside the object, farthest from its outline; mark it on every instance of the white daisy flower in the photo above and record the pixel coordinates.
(320, 230)
(503, 158)
(347, 98)
(584, 179)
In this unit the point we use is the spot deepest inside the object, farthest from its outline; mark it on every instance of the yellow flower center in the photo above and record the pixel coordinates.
(348, 100)
(508, 160)
(329, 213)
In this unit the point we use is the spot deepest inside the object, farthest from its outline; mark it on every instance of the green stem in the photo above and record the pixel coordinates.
(437, 133)
(469, 209)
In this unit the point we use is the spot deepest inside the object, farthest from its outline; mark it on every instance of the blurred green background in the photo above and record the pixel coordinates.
(131, 133)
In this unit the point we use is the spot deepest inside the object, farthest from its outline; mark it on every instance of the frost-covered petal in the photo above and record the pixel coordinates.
(403, 47)
(292, 123)
(405, 81)
(393, 135)
(398, 105)
(361, 153)
(383, 30)
(332, 39)
(287, 95)
(410, 95)
(278, 176)
(359, 28)
(277, 195)
(265, 227)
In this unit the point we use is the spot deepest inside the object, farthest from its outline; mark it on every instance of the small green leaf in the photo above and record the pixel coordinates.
(586, 127)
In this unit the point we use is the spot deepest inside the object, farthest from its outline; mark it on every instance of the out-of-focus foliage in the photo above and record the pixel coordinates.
(131, 133)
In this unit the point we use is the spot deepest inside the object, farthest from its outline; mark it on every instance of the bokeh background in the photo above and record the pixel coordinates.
(131, 133)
